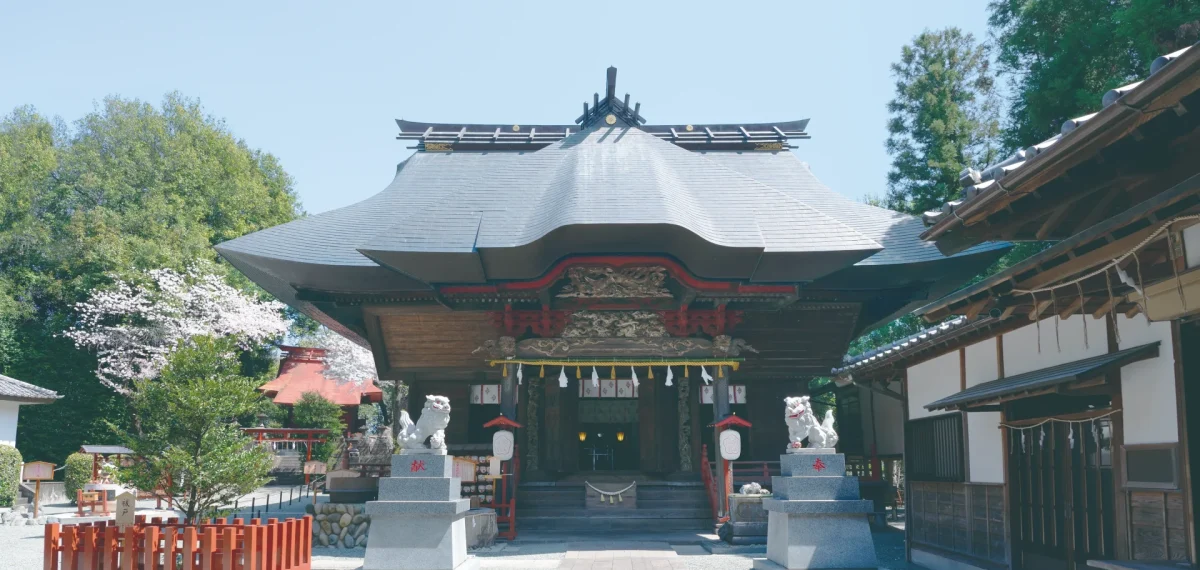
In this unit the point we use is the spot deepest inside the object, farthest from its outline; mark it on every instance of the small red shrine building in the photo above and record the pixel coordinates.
(302, 369)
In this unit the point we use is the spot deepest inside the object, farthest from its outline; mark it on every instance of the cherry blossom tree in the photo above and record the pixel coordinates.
(133, 326)
(345, 360)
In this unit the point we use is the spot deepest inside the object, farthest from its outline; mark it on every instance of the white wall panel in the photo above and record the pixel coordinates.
(1148, 387)
(981, 362)
(8, 423)
(930, 381)
(1021, 353)
(985, 447)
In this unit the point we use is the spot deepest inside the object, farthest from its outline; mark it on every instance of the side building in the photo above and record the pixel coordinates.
(1047, 412)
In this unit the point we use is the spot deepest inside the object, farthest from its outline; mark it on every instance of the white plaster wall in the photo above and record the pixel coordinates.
(985, 441)
(1148, 387)
(8, 423)
(930, 381)
(982, 362)
(1021, 346)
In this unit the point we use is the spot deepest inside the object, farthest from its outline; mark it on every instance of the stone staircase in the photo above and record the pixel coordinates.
(661, 507)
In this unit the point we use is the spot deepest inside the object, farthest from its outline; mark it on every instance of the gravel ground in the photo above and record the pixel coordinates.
(889, 547)
(20, 547)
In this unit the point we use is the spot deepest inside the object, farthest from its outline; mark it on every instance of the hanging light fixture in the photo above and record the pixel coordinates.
(620, 436)
(583, 436)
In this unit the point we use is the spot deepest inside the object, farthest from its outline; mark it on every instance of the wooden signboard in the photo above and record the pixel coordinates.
(126, 508)
(314, 467)
(37, 471)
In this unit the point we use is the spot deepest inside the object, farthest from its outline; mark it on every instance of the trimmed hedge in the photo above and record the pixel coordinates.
(78, 473)
(10, 475)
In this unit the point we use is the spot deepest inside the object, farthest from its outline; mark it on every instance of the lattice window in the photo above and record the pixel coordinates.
(934, 449)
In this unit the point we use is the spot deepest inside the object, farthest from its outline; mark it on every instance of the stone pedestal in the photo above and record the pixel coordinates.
(417, 523)
(815, 518)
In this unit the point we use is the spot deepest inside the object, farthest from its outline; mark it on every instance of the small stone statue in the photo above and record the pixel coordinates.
(435, 416)
(802, 424)
(753, 489)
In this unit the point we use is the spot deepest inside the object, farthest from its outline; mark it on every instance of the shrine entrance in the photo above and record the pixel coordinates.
(1062, 488)
(608, 447)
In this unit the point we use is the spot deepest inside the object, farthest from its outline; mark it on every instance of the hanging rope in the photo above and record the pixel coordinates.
(1116, 263)
(1054, 307)
(1175, 269)
(1037, 320)
(1083, 317)
(1060, 420)
(1112, 316)
(611, 496)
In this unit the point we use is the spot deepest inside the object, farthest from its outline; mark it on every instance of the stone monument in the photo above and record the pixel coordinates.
(417, 523)
(815, 518)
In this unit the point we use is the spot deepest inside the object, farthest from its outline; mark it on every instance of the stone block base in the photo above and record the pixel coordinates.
(804, 541)
(416, 542)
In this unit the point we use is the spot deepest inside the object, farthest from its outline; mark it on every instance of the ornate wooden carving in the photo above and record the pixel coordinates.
(597, 282)
(614, 347)
(685, 321)
(615, 324)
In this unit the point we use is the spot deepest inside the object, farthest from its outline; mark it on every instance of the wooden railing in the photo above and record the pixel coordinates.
(754, 472)
(158, 544)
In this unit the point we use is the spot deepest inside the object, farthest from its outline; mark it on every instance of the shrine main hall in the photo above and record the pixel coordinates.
(616, 287)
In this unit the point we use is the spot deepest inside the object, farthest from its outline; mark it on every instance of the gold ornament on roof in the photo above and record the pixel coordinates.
(611, 119)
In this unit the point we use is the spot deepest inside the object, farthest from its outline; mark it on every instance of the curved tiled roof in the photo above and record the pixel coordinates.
(979, 183)
(14, 390)
(899, 348)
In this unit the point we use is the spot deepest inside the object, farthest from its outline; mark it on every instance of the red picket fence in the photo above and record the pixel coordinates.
(171, 545)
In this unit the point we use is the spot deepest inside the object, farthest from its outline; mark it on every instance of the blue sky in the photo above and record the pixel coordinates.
(319, 85)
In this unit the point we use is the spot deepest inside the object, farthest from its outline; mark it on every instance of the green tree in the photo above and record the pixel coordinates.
(313, 411)
(191, 443)
(128, 188)
(944, 118)
(1063, 55)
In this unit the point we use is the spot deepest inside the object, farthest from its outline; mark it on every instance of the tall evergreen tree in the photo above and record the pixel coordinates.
(944, 118)
(1063, 55)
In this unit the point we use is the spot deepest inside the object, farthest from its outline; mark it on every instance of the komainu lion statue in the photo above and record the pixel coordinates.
(435, 416)
(802, 424)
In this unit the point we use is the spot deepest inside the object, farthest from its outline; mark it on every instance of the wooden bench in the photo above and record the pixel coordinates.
(91, 500)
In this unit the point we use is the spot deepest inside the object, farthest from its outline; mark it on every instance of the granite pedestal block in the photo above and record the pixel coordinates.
(417, 523)
(815, 518)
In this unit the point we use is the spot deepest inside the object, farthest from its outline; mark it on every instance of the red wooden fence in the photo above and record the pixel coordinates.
(171, 545)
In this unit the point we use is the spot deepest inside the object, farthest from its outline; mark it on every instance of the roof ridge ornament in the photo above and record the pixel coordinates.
(610, 108)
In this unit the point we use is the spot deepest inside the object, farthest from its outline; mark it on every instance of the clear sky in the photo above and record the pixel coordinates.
(319, 85)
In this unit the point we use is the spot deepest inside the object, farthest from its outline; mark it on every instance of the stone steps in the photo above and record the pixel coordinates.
(609, 522)
(660, 507)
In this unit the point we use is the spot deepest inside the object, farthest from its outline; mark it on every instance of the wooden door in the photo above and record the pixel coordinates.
(1062, 494)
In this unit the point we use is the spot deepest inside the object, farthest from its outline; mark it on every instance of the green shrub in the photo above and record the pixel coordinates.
(78, 473)
(10, 475)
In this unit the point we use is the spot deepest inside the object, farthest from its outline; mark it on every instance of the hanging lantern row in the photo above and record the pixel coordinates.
(595, 376)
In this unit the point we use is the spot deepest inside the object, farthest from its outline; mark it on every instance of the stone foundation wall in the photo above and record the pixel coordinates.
(339, 525)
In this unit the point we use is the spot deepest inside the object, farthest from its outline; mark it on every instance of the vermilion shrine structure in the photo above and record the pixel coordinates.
(507, 265)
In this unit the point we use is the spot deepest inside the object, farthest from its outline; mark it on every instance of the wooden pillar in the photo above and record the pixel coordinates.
(508, 393)
(720, 411)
